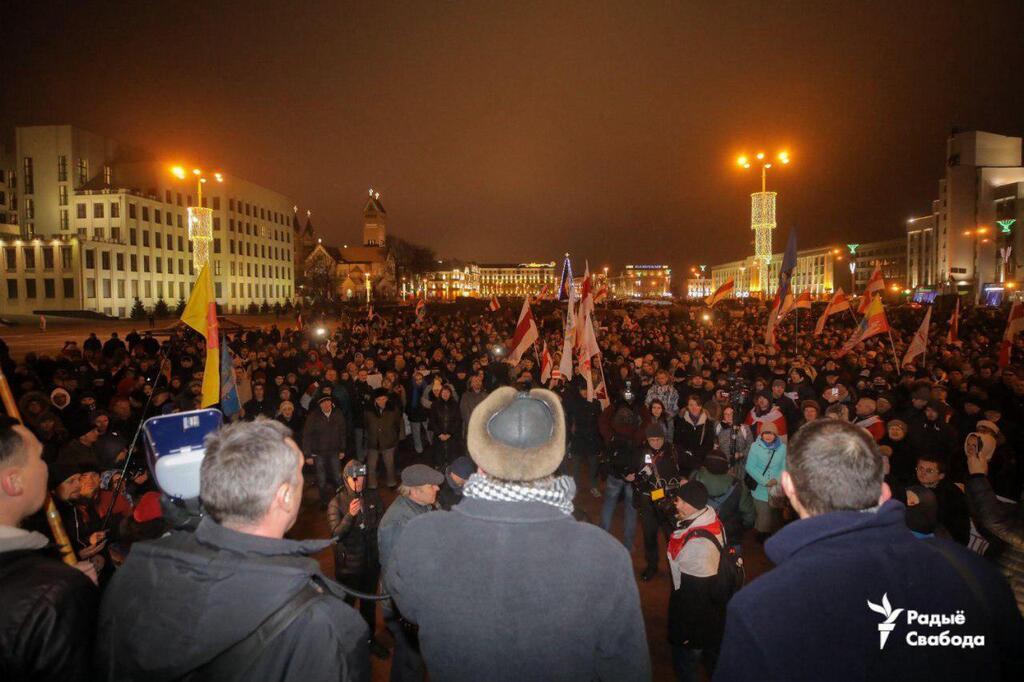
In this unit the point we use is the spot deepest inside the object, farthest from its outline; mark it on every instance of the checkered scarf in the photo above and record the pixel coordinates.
(557, 493)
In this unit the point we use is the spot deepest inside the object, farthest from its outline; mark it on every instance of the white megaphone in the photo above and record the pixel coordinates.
(175, 449)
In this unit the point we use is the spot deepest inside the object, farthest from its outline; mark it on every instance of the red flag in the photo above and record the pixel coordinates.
(586, 304)
(545, 364)
(493, 306)
(526, 334)
(601, 293)
(421, 309)
(875, 284)
(803, 301)
(954, 325)
(1014, 326)
(721, 292)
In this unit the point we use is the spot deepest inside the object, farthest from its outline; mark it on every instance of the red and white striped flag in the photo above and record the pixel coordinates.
(629, 323)
(494, 306)
(840, 302)
(954, 325)
(875, 285)
(586, 304)
(545, 364)
(1014, 326)
(421, 309)
(526, 334)
(919, 344)
(803, 301)
(721, 292)
(601, 293)
(569, 338)
(544, 294)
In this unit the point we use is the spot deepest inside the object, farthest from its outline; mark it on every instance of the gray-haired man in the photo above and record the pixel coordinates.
(182, 603)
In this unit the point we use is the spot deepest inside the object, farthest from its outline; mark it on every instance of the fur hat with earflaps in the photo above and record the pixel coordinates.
(517, 436)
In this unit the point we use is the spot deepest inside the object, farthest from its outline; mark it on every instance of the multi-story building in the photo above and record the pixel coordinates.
(698, 287)
(975, 241)
(124, 223)
(451, 280)
(814, 272)
(516, 279)
(889, 255)
(642, 281)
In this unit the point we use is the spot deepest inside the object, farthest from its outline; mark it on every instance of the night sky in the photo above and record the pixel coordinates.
(517, 131)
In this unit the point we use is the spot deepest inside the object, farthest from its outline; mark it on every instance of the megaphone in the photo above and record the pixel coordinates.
(175, 449)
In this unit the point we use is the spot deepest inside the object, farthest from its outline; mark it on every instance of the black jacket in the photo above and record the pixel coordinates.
(1003, 524)
(356, 549)
(47, 617)
(321, 435)
(181, 600)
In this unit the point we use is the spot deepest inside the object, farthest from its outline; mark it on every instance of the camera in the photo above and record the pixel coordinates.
(358, 470)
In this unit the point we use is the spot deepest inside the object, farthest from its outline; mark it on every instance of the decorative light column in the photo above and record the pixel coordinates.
(853, 267)
(200, 219)
(762, 217)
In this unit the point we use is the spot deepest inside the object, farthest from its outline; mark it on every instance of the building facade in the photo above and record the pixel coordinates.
(450, 281)
(814, 272)
(516, 279)
(124, 224)
(642, 281)
(889, 255)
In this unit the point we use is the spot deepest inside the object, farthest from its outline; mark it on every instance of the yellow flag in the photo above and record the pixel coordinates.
(201, 315)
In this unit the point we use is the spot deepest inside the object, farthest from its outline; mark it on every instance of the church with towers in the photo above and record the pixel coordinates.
(356, 272)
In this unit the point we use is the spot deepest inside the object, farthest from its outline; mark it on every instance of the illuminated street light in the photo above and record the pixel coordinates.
(200, 219)
(762, 214)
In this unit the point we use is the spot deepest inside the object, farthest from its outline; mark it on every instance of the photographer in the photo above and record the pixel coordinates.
(353, 516)
(234, 600)
(658, 472)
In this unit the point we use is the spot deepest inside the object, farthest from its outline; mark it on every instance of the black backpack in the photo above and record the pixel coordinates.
(731, 573)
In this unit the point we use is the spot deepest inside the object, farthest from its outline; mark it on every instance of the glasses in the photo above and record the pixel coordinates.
(927, 470)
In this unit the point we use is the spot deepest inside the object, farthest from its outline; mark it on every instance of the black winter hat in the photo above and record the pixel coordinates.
(694, 494)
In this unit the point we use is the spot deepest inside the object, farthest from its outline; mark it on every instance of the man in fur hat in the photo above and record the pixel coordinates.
(533, 613)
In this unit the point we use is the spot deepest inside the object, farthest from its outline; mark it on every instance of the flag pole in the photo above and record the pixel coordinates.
(892, 345)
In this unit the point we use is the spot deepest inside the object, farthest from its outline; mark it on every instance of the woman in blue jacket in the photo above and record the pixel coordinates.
(765, 461)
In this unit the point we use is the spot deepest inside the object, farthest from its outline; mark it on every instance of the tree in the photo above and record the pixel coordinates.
(179, 309)
(161, 309)
(410, 257)
(138, 311)
(319, 281)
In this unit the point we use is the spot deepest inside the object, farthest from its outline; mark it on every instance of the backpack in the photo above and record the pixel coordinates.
(731, 573)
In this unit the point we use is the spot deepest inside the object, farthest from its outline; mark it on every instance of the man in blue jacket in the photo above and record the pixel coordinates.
(855, 596)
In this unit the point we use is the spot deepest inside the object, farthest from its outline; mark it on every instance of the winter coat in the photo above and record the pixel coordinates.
(450, 494)
(48, 614)
(734, 440)
(468, 402)
(696, 436)
(764, 464)
(322, 435)
(696, 610)
(582, 417)
(211, 589)
(415, 408)
(620, 420)
(1002, 524)
(810, 613)
(401, 511)
(667, 394)
(732, 502)
(446, 418)
(534, 615)
(356, 549)
(383, 427)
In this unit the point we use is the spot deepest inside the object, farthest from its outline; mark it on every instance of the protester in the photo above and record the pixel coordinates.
(237, 559)
(849, 564)
(765, 462)
(383, 425)
(323, 437)
(504, 545)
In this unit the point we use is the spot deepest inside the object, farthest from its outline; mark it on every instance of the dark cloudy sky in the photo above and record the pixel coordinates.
(519, 130)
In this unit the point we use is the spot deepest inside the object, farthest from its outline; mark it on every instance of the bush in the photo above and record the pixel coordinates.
(253, 309)
(138, 311)
(179, 309)
(161, 309)
(265, 308)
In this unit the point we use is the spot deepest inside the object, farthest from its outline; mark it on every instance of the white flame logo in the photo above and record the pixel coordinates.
(890, 614)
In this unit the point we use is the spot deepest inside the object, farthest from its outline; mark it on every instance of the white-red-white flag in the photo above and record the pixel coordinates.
(954, 325)
(601, 293)
(569, 340)
(803, 301)
(876, 285)
(586, 305)
(721, 292)
(525, 335)
(919, 344)
(545, 364)
(494, 306)
(1014, 326)
(840, 302)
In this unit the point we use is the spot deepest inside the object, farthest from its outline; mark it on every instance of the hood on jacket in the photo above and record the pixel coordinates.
(201, 592)
(18, 539)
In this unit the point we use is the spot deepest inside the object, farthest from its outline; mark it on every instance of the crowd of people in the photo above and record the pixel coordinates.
(710, 438)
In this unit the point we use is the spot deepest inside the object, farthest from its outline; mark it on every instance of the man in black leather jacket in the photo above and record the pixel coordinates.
(48, 608)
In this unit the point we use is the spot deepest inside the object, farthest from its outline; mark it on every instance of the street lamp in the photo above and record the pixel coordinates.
(762, 212)
(200, 219)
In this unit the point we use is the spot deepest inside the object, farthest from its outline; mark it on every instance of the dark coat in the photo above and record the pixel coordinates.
(809, 614)
(533, 615)
(356, 550)
(696, 438)
(323, 435)
(1003, 524)
(446, 417)
(211, 589)
(383, 427)
(47, 618)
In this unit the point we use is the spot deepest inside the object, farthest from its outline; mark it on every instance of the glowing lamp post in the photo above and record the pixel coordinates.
(762, 215)
(200, 218)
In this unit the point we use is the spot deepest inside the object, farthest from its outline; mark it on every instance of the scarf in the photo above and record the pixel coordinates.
(558, 493)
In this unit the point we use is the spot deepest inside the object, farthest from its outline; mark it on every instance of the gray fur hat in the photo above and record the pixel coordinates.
(517, 436)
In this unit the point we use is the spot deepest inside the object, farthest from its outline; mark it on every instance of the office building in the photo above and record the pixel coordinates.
(814, 272)
(516, 279)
